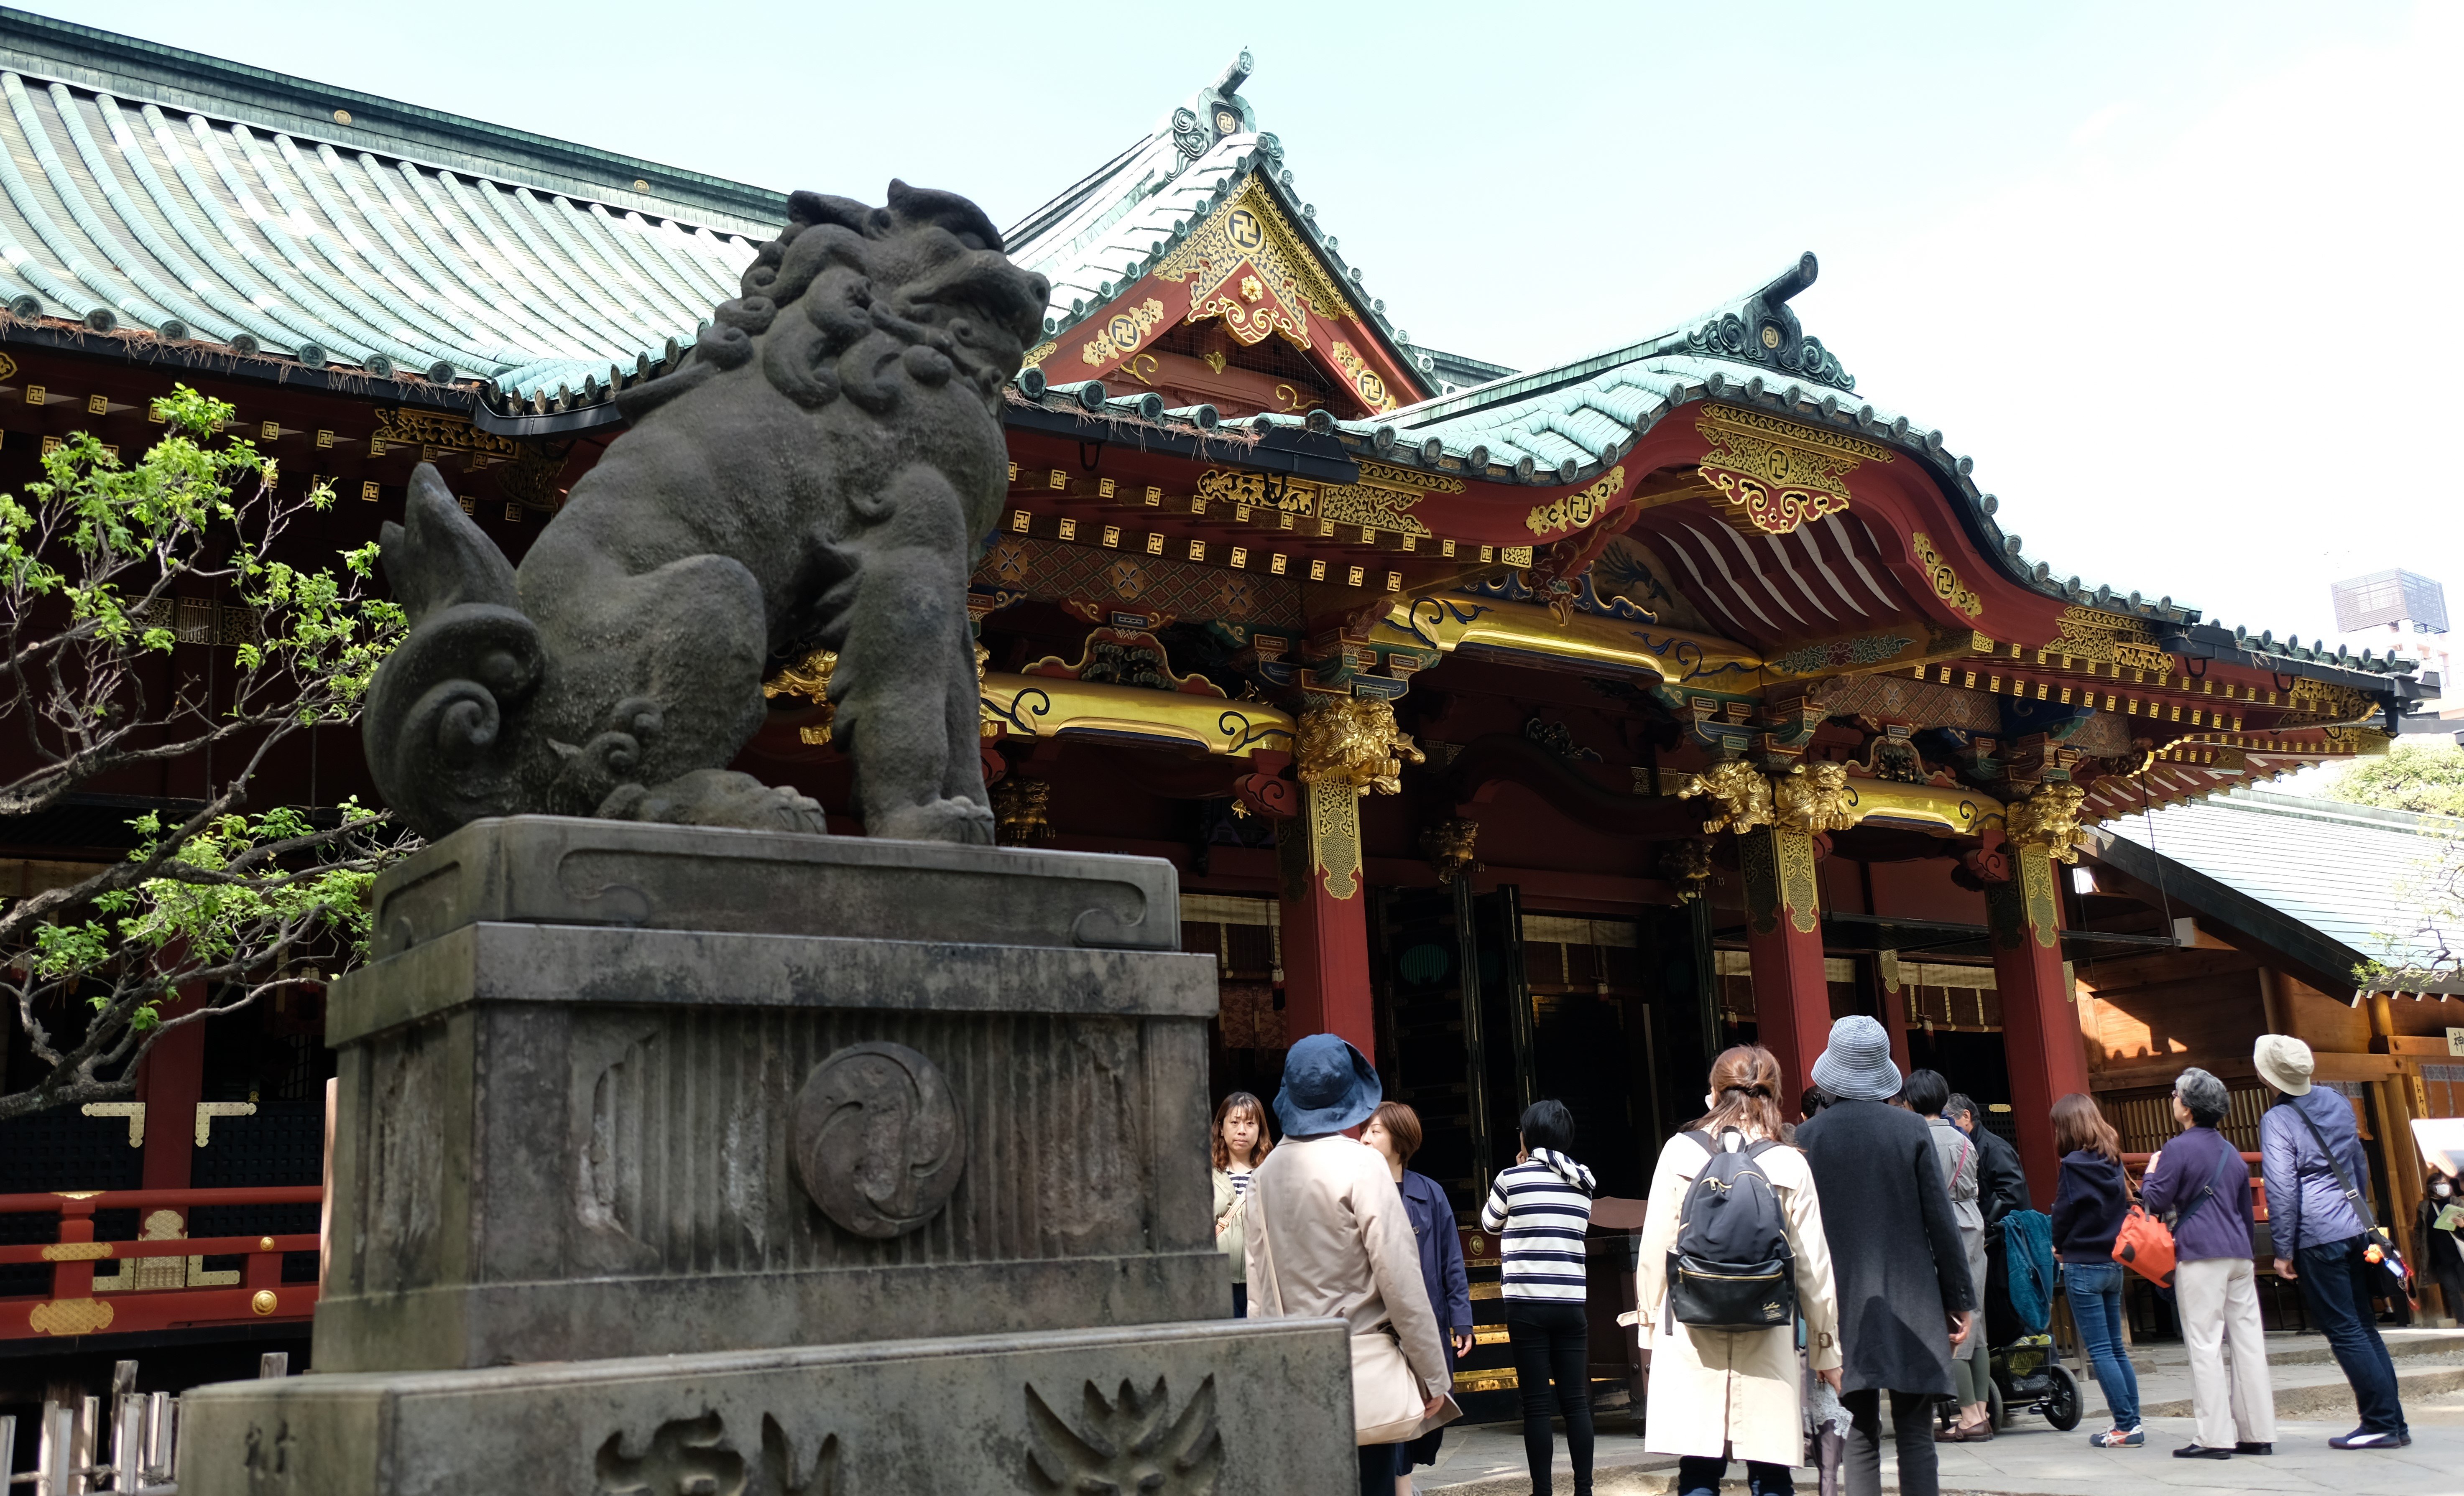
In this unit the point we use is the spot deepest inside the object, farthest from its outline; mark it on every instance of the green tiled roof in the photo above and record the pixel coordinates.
(143, 189)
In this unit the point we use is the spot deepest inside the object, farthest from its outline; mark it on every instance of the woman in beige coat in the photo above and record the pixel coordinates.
(1720, 1394)
(1327, 1236)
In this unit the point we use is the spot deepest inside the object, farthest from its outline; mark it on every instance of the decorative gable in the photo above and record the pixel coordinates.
(1245, 314)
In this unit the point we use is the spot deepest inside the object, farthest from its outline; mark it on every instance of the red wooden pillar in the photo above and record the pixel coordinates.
(171, 1082)
(2040, 1030)
(1325, 919)
(1784, 951)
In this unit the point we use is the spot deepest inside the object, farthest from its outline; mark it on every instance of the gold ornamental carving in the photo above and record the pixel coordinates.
(2087, 633)
(1743, 793)
(2360, 742)
(1771, 475)
(404, 426)
(70, 1316)
(1370, 508)
(1449, 846)
(1042, 351)
(1577, 510)
(810, 678)
(1410, 481)
(1801, 890)
(1250, 231)
(1354, 743)
(1778, 870)
(76, 1251)
(1812, 797)
(1365, 380)
(2048, 821)
(1687, 866)
(1257, 491)
(2329, 702)
(1122, 334)
(1944, 581)
(1022, 812)
(1335, 837)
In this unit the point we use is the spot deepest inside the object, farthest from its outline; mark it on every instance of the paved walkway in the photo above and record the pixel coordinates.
(2031, 1459)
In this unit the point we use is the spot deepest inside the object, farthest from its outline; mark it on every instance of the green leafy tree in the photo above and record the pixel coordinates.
(2417, 777)
(94, 560)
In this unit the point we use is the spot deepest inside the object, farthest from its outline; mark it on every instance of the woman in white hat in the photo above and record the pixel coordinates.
(2317, 1203)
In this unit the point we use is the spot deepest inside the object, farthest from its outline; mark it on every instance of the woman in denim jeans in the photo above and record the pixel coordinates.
(2088, 1208)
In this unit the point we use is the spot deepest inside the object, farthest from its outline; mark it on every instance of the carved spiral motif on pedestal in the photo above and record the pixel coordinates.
(878, 1140)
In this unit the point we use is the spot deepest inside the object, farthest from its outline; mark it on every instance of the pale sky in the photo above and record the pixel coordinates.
(2175, 274)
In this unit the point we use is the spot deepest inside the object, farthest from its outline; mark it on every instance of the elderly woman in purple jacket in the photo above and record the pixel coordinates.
(1394, 1130)
(2203, 1179)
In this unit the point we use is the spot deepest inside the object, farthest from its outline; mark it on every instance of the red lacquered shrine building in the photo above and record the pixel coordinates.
(1541, 732)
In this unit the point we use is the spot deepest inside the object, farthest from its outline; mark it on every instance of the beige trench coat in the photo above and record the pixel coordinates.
(1724, 1393)
(1327, 1236)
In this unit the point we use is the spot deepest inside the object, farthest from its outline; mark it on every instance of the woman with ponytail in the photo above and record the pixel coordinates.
(1723, 1394)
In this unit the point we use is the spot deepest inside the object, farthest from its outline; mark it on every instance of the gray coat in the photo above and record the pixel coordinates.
(1896, 1252)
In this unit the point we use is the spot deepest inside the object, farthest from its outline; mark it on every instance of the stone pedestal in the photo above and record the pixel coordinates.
(894, 1149)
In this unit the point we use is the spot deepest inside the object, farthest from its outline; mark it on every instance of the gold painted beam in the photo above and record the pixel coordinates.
(1628, 646)
(1958, 811)
(1046, 706)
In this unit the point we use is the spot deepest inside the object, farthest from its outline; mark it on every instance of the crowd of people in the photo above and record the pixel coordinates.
(1762, 1318)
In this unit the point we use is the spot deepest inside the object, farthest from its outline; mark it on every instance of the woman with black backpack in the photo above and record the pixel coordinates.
(1733, 1254)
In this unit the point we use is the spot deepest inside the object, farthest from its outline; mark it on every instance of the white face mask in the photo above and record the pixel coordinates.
(2442, 1188)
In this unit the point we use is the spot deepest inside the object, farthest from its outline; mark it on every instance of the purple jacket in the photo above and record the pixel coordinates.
(2306, 1205)
(2192, 1162)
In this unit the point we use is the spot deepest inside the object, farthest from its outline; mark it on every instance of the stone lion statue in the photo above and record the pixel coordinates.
(817, 476)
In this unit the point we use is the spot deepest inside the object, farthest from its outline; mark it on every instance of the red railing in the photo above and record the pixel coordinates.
(73, 1308)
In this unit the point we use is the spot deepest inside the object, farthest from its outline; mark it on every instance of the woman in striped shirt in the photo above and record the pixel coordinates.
(1538, 1211)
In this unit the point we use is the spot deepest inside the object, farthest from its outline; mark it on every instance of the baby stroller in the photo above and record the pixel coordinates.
(2027, 1373)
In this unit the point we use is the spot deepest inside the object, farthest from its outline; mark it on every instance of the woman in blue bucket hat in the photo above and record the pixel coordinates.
(1327, 1234)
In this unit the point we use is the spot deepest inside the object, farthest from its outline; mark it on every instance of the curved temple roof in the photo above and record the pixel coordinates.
(167, 195)
(126, 207)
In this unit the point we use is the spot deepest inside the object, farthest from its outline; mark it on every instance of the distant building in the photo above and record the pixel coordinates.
(2389, 599)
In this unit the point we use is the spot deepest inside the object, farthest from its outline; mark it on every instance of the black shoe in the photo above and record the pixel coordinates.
(2252, 1446)
(2365, 1438)
(2201, 1452)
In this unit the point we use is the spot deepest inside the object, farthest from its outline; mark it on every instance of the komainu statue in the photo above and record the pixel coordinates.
(817, 476)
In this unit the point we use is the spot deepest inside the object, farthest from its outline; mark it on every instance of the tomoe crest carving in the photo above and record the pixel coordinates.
(878, 1140)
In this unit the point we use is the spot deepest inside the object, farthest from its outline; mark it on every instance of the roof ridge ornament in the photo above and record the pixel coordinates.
(1763, 329)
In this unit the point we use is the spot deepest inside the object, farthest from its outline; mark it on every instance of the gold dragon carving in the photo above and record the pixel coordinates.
(1354, 741)
(1814, 797)
(2048, 821)
(1743, 793)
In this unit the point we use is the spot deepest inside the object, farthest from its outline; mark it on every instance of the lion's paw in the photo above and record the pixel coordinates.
(720, 798)
(961, 821)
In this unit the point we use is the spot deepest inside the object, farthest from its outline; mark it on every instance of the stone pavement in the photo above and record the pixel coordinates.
(2031, 1459)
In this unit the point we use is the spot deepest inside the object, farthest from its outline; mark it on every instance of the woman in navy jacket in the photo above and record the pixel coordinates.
(1394, 1130)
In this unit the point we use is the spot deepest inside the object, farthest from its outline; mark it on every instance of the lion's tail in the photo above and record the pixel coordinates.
(435, 724)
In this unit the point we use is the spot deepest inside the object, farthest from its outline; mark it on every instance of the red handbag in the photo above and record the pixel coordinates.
(2144, 1246)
